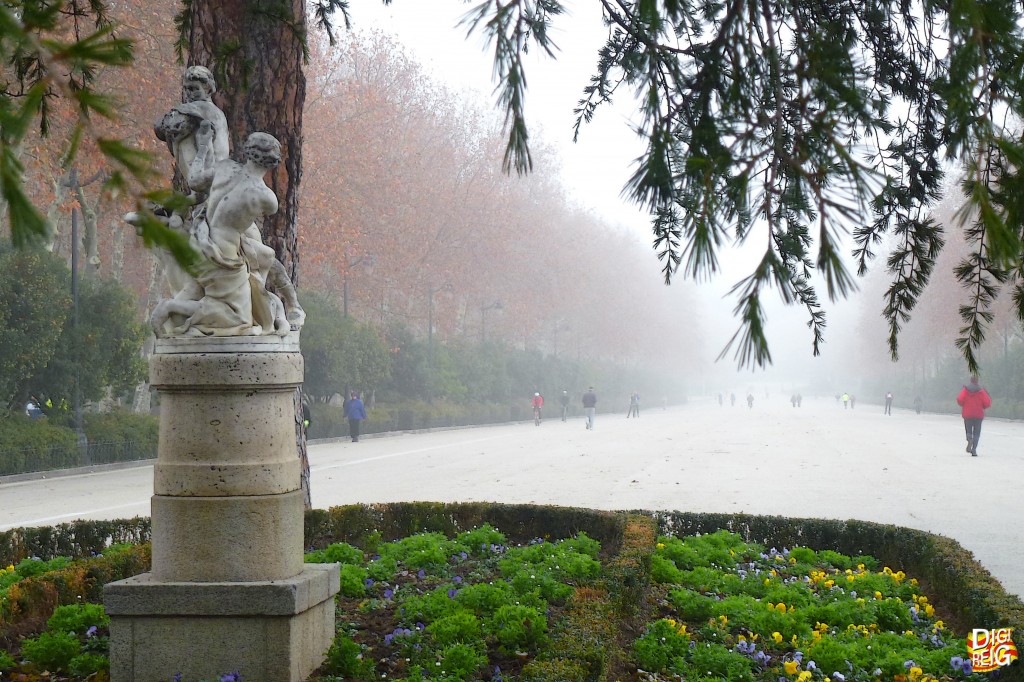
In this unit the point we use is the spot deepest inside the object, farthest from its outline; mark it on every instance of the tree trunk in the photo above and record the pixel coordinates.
(261, 87)
(255, 50)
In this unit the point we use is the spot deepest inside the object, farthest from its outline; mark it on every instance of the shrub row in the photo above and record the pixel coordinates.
(75, 540)
(28, 445)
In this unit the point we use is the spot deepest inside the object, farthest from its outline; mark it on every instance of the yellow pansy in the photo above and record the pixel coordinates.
(913, 581)
(724, 620)
(790, 667)
(804, 676)
(660, 545)
(929, 610)
(767, 581)
(878, 595)
(939, 625)
(777, 636)
(816, 635)
(830, 583)
(792, 560)
(860, 567)
(780, 607)
(915, 673)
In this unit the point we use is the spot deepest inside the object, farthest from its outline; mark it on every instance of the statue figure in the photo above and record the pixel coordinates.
(233, 292)
(228, 296)
(178, 126)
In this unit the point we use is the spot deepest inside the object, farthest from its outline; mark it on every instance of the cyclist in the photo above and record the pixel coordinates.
(538, 403)
(564, 398)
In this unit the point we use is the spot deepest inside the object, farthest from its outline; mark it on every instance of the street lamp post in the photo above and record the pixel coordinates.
(366, 260)
(559, 327)
(497, 305)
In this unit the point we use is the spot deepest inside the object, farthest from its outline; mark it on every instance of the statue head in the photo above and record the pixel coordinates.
(198, 84)
(263, 149)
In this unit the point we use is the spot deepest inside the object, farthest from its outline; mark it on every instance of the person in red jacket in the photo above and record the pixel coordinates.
(974, 400)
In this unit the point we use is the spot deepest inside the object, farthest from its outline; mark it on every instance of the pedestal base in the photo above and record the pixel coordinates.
(269, 631)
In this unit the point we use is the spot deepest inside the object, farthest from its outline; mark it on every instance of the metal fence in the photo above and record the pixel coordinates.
(48, 458)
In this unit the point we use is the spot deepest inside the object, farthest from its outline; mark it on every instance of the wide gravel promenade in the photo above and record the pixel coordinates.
(819, 460)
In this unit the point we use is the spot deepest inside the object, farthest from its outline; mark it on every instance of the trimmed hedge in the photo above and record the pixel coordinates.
(35, 445)
(367, 525)
(75, 540)
(29, 445)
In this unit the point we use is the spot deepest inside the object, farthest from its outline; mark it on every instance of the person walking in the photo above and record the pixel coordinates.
(634, 405)
(750, 400)
(590, 406)
(846, 400)
(918, 404)
(356, 413)
(564, 400)
(888, 403)
(732, 399)
(973, 400)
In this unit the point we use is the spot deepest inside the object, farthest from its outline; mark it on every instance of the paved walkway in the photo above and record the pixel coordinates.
(819, 460)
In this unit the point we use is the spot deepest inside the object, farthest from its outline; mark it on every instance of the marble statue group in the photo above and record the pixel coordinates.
(239, 288)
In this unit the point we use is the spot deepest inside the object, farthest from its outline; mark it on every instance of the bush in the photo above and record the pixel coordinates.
(35, 445)
(517, 627)
(339, 552)
(77, 618)
(345, 658)
(458, 628)
(51, 650)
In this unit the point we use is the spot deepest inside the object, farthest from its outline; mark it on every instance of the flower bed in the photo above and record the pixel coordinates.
(464, 608)
(735, 611)
(432, 592)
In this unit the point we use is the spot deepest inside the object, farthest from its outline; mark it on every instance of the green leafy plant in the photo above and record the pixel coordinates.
(339, 552)
(77, 618)
(353, 580)
(663, 642)
(517, 627)
(459, 628)
(345, 658)
(51, 650)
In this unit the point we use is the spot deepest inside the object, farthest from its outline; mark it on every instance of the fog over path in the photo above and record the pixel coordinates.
(818, 460)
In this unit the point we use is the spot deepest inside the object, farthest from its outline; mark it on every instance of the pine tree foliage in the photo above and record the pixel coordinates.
(789, 123)
(797, 122)
(53, 49)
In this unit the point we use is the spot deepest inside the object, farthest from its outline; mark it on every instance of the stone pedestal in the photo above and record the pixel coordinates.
(228, 589)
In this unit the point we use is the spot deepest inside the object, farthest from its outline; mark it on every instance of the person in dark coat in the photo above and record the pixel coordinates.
(356, 412)
(974, 400)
